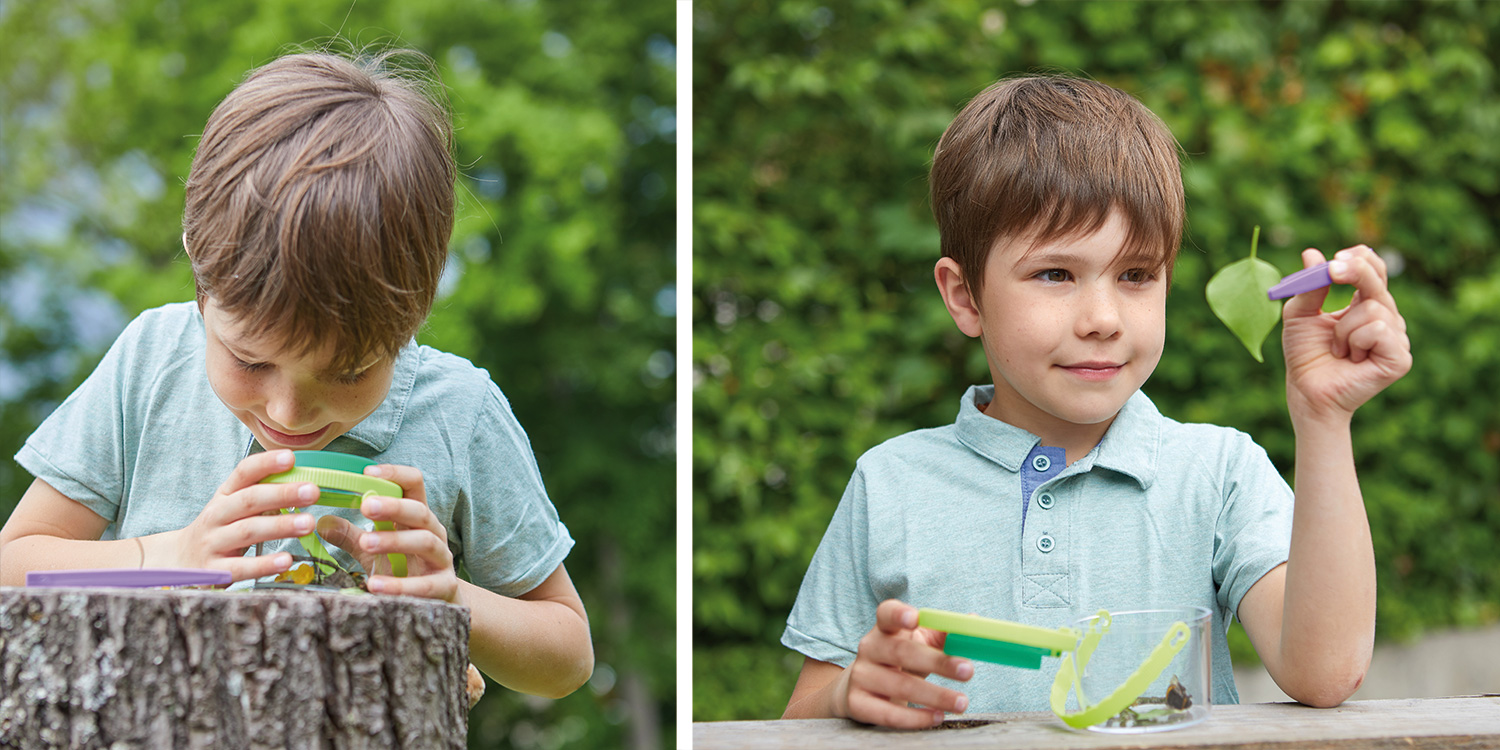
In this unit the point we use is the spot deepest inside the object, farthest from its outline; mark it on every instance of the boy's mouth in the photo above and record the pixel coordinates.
(306, 438)
(1094, 371)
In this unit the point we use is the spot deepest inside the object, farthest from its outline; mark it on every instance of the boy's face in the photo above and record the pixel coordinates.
(287, 401)
(1069, 331)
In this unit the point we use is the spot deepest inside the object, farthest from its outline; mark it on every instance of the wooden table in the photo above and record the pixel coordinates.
(1463, 722)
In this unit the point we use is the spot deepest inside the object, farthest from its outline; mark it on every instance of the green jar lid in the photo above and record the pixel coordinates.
(332, 460)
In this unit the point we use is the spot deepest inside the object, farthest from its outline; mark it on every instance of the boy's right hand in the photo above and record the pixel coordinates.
(242, 513)
(891, 671)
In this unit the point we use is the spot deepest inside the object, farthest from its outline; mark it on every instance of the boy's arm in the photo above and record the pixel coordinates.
(1312, 619)
(51, 531)
(538, 643)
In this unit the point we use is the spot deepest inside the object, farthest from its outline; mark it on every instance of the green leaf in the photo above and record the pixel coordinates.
(1237, 294)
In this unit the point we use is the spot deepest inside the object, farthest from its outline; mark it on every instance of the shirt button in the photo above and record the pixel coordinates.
(1041, 463)
(1044, 543)
(1044, 500)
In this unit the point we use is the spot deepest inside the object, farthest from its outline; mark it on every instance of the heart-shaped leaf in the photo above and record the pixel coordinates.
(1237, 294)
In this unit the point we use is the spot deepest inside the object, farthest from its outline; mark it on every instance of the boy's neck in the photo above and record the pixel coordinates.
(1076, 440)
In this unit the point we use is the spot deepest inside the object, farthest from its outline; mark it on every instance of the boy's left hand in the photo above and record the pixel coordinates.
(1337, 361)
(418, 535)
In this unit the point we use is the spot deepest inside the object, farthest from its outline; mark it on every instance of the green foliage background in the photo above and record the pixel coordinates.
(817, 331)
(560, 281)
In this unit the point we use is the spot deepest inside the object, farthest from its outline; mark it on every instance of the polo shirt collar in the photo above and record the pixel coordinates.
(379, 429)
(1129, 447)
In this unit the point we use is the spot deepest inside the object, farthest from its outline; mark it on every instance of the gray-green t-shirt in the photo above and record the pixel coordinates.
(978, 517)
(144, 443)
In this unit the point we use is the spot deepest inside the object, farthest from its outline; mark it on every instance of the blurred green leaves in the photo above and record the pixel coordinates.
(818, 332)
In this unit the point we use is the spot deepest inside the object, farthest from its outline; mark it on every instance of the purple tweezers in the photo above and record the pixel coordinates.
(1305, 280)
(128, 578)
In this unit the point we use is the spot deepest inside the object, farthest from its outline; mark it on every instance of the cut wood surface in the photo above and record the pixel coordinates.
(1462, 723)
(126, 668)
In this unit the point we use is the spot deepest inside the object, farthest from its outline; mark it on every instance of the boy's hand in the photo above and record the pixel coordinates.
(242, 513)
(891, 670)
(418, 535)
(1337, 361)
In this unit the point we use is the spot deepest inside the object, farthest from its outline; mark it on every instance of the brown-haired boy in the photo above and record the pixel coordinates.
(1060, 490)
(319, 208)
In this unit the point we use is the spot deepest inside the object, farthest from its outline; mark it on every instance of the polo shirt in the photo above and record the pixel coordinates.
(144, 442)
(978, 517)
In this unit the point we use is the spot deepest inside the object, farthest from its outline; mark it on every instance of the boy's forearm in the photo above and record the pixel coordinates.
(1328, 619)
(537, 647)
(821, 703)
(36, 552)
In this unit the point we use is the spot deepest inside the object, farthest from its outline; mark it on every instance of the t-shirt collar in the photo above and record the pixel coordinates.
(1129, 447)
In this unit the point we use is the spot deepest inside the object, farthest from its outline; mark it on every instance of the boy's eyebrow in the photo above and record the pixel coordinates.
(1051, 259)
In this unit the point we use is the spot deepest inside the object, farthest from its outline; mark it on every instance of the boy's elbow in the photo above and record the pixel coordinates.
(1329, 692)
(574, 675)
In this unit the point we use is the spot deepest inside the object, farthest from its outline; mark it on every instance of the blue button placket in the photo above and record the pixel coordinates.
(1041, 465)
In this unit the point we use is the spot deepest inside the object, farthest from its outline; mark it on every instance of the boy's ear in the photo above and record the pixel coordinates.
(961, 306)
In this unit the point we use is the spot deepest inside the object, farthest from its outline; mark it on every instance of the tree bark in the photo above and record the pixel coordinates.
(118, 668)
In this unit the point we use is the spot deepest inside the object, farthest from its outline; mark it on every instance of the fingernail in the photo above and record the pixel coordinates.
(283, 458)
(307, 492)
(937, 718)
(283, 560)
(305, 523)
(964, 671)
(372, 542)
(375, 585)
(961, 705)
(373, 505)
(1338, 267)
(908, 619)
(375, 471)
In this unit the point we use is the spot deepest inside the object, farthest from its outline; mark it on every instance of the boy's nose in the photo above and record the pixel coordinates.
(291, 414)
(1099, 314)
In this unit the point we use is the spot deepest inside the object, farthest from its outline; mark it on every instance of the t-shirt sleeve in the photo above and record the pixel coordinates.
(512, 536)
(1254, 529)
(79, 448)
(836, 606)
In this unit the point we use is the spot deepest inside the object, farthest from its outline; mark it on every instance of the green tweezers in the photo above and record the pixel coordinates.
(343, 484)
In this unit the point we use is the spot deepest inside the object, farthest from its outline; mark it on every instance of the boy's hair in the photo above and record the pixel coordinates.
(1045, 158)
(320, 203)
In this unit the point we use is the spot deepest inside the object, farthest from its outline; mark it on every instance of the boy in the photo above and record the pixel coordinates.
(1060, 490)
(318, 211)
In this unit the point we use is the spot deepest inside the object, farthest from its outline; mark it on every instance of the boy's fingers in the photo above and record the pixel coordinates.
(416, 542)
(245, 568)
(443, 587)
(409, 478)
(1307, 303)
(340, 533)
(1362, 268)
(254, 468)
(248, 531)
(873, 709)
(1360, 316)
(258, 499)
(907, 688)
(894, 616)
(407, 512)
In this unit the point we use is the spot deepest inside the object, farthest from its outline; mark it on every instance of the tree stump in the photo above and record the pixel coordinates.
(118, 668)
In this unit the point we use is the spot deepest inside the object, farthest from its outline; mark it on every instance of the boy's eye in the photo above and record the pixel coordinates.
(1136, 276)
(249, 366)
(1055, 275)
(351, 378)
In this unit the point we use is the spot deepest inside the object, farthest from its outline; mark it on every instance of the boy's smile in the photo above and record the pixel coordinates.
(1070, 330)
(287, 401)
